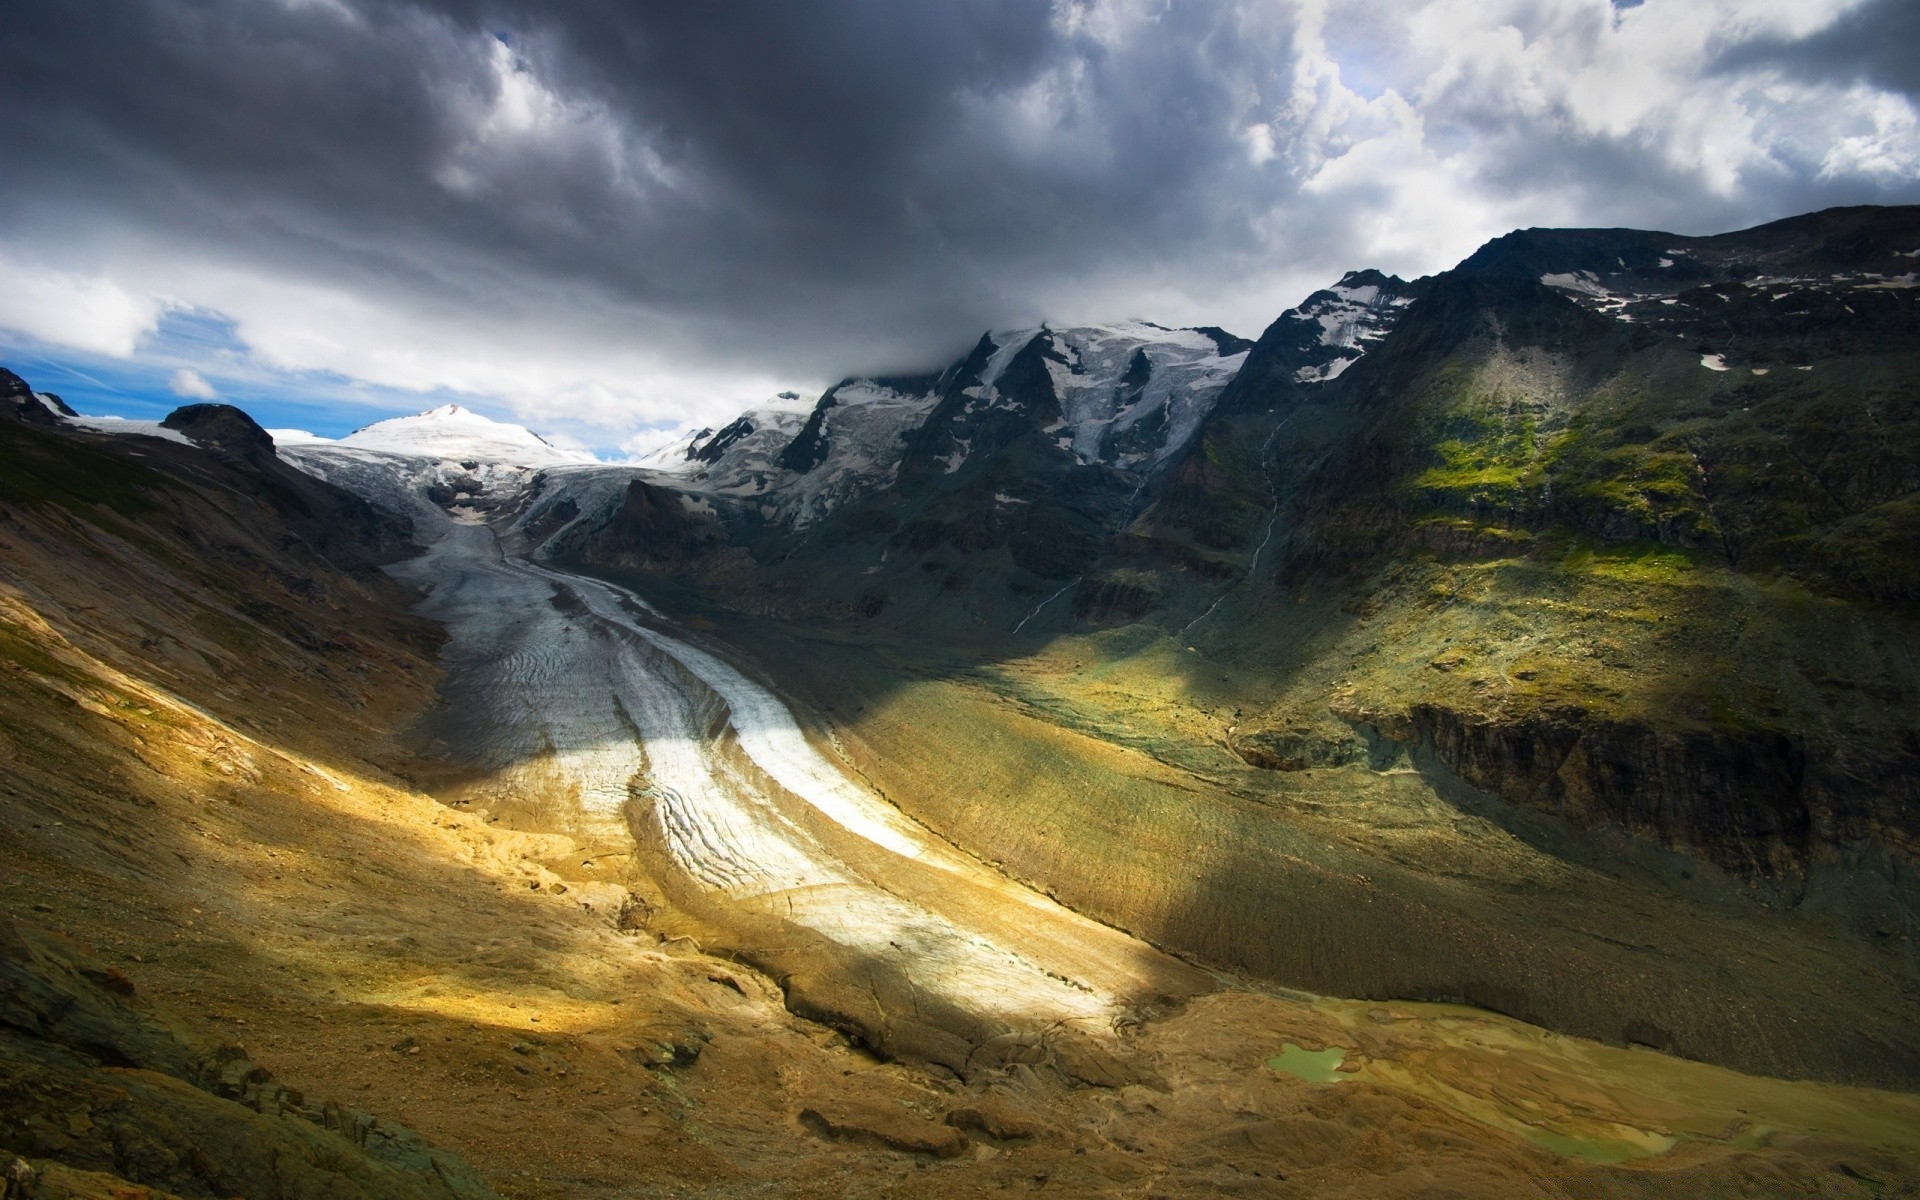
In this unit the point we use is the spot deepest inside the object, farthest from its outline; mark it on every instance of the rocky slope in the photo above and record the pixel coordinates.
(136, 570)
(1693, 460)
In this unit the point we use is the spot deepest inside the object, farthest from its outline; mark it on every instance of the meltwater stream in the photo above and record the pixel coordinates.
(558, 683)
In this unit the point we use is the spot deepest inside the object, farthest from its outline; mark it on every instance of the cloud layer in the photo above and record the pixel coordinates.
(606, 215)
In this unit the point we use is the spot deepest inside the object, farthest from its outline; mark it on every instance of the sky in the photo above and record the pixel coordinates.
(611, 220)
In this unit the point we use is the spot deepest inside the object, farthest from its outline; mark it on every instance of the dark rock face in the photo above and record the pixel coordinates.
(552, 519)
(18, 402)
(1229, 343)
(1298, 339)
(1754, 802)
(808, 449)
(712, 448)
(653, 529)
(221, 427)
(1028, 404)
(1737, 798)
(978, 477)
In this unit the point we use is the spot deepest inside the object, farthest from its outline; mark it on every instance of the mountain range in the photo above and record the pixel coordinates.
(1614, 529)
(1524, 653)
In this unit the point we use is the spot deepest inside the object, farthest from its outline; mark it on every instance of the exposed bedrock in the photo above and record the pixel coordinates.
(653, 528)
(1754, 802)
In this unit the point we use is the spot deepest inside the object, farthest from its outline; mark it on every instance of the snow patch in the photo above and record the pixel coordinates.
(1584, 282)
(297, 437)
(1326, 371)
(130, 427)
(958, 455)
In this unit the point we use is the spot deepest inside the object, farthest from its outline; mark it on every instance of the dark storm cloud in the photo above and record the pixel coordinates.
(557, 198)
(792, 168)
(1877, 43)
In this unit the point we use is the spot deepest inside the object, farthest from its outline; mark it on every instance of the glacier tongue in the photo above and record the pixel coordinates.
(572, 688)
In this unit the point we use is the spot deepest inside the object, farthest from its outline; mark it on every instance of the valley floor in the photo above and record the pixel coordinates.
(492, 944)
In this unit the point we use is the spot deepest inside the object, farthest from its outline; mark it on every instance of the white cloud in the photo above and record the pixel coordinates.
(191, 385)
(1880, 140)
(66, 308)
(1536, 78)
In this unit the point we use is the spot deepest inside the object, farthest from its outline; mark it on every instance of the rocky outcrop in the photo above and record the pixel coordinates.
(1754, 802)
(1293, 748)
(854, 1120)
(808, 449)
(221, 427)
(1116, 597)
(22, 403)
(654, 529)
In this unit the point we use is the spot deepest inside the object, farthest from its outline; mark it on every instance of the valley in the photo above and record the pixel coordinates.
(1460, 743)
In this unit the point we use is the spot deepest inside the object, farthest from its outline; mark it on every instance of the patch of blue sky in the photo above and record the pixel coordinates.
(142, 386)
(1370, 53)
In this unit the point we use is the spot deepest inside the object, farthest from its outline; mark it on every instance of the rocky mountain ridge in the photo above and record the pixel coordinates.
(1127, 395)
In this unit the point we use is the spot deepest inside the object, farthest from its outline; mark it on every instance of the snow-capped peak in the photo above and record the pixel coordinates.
(453, 432)
(1342, 322)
